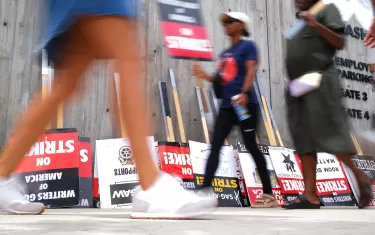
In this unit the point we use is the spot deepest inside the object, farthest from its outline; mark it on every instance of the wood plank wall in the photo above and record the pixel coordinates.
(21, 25)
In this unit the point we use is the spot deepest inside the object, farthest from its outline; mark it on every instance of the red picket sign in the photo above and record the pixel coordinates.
(175, 160)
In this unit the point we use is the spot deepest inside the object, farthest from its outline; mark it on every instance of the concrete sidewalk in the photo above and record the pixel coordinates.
(224, 221)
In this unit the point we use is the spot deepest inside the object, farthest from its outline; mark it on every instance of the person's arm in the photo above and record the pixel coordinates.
(200, 73)
(251, 64)
(207, 77)
(335, 39)
(251, 67)
(331, 28)
(369, 39)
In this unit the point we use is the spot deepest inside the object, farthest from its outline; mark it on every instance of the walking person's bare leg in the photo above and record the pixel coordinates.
(309, 199)
(362, 179)
(160, 195)
(32, 125)
(308, 163)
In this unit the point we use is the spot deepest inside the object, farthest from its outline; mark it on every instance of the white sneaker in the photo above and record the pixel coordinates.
(206, 192)
(167, 199)
(12, 199)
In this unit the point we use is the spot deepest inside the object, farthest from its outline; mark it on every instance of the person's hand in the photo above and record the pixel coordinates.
(369, 40)
(241, 100)
(310, 20)
(197, 70)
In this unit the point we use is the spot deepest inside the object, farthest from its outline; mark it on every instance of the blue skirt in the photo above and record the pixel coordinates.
(62, 14)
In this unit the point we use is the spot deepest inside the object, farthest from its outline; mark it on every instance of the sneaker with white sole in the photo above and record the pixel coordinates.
(167, 199)
(12, 199)
(206, 192)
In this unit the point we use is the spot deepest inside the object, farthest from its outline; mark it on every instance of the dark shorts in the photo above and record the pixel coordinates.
(63, 14)
(317, 120)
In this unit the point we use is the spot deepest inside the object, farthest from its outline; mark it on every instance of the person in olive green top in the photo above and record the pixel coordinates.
(317, 120)
(370, 36)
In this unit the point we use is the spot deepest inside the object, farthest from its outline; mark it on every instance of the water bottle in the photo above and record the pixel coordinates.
(242, 112)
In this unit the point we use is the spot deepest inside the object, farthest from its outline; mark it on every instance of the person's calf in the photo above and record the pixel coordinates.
(308, 163)
(346, 159)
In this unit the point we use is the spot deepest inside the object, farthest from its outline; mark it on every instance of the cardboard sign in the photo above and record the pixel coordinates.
(288, 172)
(50, 170)
(253, 183)
(175, 160)
(332, 186)
(184, 31)
(117, 173)
(225, 183)
(85, 173)
(367, 164)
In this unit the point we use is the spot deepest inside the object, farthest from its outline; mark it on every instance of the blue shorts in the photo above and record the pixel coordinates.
(63, 14)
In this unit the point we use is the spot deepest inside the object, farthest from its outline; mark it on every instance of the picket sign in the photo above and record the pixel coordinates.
(252, 180)
(117, 173)
(367, 164)
(288, 172)
(175, 160)
(57, 171)
(226, 184)
(236, 183)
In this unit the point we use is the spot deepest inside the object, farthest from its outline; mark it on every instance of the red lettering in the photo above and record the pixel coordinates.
(293, 185)
(176, 159)
(331, 186)
(52, 147)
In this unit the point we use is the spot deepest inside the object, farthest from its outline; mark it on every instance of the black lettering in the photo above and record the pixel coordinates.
(349, 31)
(351, 75)
(357, 94)
(366, 67)
(344, 74)
(359, 114)
(347, 93)
(339, 61)
(366, 115)
(349, 112)
(357, 32)
(364, 96)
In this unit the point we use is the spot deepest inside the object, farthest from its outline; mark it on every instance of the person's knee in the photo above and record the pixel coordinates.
(258, 157)
(111, 37)
(65, 89)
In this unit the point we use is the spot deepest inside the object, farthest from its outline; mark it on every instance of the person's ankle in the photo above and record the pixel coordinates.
(4, 175)
(312, 198)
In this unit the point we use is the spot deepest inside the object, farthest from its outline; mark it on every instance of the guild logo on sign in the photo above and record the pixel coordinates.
(126, 156)
(289, 164)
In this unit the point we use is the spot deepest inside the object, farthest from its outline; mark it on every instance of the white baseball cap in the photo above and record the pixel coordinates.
(238, 16)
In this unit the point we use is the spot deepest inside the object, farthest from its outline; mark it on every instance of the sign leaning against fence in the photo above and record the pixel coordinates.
(225, 182)
(117, 171)
(175, 160)
(332, 186)
(50, 169)
(288, 172)
(251, 175)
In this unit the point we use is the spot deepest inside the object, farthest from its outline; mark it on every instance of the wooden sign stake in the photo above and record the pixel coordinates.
(122, 124)
(203, 117)
(177, 105)
(166, 111)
